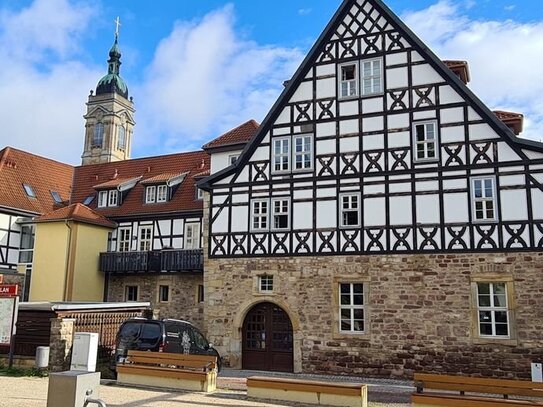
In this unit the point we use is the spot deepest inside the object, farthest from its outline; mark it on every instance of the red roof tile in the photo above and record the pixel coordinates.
(77, 212)
(184, 198)
(240, 135)
(41, 174)
(161, 178)
(114, 183)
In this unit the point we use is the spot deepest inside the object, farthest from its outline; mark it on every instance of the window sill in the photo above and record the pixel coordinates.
(372, 95)
(348, 98)
(426, 161)
(365, 336)
(495, 341)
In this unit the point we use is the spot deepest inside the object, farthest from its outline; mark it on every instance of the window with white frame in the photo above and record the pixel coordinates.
(372, 77)
(131, 293)
(199, 193)
(301, 153)
(150, 194)
(145, 238)
(484, 198)
(348, 83)
(350, 210)
(124, 239)
(492, 309)
(108, 198)
(102, 199)
(281, 154)
(303, 157)
(265, 283)
(351, 307)
(232, 158)
(425, 139)
(113, 198)
(280, 213)
(192, 236)
(161, 193)
(259, 212)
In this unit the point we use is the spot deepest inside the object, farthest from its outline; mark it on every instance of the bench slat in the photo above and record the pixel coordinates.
(424, 377)
(166, 355)
(347, 389)
(171, 361)
(445, 400)
(475, 388)
(161, 372)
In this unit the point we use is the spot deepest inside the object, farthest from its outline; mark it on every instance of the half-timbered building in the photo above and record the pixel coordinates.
(382, 221)
(30, 185)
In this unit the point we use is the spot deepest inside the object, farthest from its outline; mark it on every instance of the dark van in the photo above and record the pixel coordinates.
(167, 335)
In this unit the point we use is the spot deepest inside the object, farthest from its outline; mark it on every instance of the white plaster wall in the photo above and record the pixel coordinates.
(427, 208)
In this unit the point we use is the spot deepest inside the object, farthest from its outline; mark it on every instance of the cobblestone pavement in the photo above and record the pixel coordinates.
(32, 392)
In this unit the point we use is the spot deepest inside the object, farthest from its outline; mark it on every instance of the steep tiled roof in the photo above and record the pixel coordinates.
(239, 135)
(184, 199)
(161, 178)
(41, 174)
(77, 212)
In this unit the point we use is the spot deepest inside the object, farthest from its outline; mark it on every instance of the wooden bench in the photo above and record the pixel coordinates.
(171, 370)
(306, 391)
(483, 392)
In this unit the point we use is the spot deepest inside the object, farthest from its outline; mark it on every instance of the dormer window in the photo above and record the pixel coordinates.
(29, 191)
(98, 138)
(150, 194)
(108, 198)
(156, 194)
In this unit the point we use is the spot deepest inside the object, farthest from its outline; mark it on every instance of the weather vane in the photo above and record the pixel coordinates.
(117, 25)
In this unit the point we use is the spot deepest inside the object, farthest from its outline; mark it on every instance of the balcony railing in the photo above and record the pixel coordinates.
(152, 261)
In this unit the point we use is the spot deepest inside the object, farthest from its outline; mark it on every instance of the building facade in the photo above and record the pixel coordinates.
(30, 186)
(382, 221)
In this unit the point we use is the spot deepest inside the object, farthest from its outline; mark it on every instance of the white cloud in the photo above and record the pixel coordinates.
(504, 57)
(305, 11)
(205, 79)
(42, 85)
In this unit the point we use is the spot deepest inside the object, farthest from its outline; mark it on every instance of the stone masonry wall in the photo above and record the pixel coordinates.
(60, 343)
(419, 312)
(183, 303)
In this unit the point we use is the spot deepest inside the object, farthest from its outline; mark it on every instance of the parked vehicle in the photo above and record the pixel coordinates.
(167, 335)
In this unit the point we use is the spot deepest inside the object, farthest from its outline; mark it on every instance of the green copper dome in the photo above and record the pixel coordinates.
(112, 82)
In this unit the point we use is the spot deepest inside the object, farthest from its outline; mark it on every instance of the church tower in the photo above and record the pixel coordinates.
(110, 115)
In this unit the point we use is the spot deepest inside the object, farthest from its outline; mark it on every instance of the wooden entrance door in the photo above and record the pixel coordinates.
(267, 339)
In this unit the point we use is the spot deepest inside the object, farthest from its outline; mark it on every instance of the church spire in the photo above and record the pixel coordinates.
(109, 122)
(112, 82)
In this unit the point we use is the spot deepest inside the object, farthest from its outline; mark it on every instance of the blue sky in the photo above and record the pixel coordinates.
(199, 67)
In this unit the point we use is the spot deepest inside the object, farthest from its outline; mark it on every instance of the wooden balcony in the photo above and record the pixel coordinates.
(152, 261)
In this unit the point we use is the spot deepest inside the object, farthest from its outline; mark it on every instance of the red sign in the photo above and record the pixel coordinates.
(8, 290)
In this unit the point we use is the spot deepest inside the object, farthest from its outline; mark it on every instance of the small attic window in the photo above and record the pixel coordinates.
(56, 196)
(88, 200)
(29, 191)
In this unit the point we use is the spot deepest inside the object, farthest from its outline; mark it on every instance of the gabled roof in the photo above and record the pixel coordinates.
(167, 178)
(43, 175)
(76, 212)
(315, 51)
(236, 137)
(117, 183)
(87, 177)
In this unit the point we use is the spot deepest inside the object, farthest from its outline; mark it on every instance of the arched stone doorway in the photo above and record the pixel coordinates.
(267, 339)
